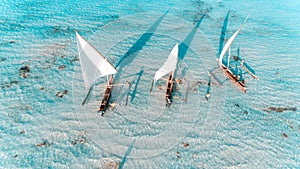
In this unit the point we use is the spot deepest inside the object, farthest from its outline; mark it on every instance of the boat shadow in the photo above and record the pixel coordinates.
(185, 44)
(135, 82)
(213, 71)
(124, 159)
(133, 93)
(131, 54)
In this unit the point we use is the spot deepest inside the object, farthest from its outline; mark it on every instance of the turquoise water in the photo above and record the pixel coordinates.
(42, 122)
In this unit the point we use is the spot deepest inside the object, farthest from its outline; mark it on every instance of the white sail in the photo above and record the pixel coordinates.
(227, 45)
(169, 65)
(230, 41)
(93, 64)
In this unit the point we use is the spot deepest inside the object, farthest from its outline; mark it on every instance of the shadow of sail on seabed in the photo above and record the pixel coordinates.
(223, 32)
(126, 155)
(138, 45)
(130, 55)
(136, 84)
(185, 44)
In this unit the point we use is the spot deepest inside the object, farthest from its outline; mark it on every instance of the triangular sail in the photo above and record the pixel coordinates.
(169, 65)
(227, 45)
(229, 42)
(93, 63)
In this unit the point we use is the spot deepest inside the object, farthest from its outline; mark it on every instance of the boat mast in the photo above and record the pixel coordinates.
(229, 42)
(228, 58)
(151, 86)
(107, 80)
(86, 97)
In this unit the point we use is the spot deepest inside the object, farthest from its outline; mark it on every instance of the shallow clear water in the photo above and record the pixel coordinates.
(42, 125)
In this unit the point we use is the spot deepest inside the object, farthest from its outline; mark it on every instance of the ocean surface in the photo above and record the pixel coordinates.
(44, 125)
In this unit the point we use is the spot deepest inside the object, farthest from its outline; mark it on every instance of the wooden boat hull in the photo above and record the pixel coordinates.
(169, 90)
(106, 96)
(240, 84)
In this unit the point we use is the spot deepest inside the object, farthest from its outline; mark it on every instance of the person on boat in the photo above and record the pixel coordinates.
(236, 58)
(207, 96)
(127, 82)
(112, 105)
(179, 81)
(242, 62)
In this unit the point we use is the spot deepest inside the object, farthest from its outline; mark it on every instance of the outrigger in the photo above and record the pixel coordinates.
(168, 67)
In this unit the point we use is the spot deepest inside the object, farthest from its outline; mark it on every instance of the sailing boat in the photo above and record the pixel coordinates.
(234, 76)
(94, 65)
(168, 67)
